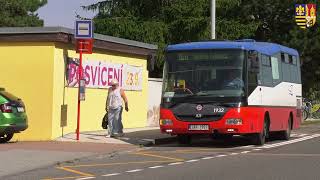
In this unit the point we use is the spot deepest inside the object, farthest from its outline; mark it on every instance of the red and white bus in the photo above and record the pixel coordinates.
(226, 88)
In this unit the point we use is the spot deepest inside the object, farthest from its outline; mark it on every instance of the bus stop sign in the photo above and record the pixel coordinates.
(83, 29)
(84, 36)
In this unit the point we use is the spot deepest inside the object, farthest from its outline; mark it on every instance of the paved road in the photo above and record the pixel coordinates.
(298, 158)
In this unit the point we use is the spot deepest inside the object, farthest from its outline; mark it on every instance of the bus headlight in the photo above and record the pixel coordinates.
(166, 122)
(234, 121)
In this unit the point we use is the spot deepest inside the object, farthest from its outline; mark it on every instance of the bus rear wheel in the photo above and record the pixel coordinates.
(184, 139)
(285, 135)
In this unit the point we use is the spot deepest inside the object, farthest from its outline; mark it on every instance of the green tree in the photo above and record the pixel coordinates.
(166, 22)
(20, 13)
(277, 24)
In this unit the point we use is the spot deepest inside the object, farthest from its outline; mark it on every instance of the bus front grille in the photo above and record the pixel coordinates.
(194, 118)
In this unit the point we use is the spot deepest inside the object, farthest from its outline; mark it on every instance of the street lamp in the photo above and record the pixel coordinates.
(213, 19)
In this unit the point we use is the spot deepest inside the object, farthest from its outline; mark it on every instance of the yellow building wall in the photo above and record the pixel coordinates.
(93, 108)
(27, 72)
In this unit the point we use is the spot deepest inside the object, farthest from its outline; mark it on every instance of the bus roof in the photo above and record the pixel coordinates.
(262, 47)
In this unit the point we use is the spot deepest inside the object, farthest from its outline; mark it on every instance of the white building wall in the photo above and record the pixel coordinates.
(154, 99)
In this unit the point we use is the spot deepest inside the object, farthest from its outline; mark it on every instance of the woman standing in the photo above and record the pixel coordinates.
(114, 108)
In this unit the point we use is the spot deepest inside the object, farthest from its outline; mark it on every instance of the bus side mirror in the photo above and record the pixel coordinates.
(151, 59)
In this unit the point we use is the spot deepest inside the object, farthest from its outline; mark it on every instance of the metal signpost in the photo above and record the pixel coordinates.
(84, 36)
(213, 19)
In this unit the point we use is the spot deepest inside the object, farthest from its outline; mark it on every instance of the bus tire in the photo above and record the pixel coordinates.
(260, 138)
(184, 139)
(285, 135)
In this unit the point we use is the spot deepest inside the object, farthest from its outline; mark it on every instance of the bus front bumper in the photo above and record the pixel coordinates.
(249, 123)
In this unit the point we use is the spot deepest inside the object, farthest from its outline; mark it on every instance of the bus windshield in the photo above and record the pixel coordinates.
(210, 73)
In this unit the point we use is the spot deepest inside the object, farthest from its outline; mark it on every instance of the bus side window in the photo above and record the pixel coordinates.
(285, 67)
(253, 71)
(298, 68)
(294, 60)
(266, 70)
(290, 59)
(294, 70)
(253, 61)
(276, 69)
(286, 58)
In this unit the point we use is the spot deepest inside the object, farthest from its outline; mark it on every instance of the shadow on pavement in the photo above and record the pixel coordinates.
(209, 142)
(147, 138)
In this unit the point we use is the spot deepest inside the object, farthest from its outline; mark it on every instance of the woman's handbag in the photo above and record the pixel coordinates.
(105, 121)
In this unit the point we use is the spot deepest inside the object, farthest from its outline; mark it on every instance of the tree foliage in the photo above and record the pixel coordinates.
(20, 13)
(165, 22)
(277, 24)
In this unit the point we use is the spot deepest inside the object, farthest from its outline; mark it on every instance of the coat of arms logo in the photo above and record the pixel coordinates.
(306, 15)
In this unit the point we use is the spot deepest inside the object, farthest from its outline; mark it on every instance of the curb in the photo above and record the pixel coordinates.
(157, 141)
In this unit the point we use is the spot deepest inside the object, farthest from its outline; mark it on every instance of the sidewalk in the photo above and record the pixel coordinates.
(24, 156)
(136, 136)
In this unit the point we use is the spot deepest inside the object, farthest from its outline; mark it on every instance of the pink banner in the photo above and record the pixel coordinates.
(98, 74)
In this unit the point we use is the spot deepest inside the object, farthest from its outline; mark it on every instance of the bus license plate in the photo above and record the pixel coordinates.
(199, 127)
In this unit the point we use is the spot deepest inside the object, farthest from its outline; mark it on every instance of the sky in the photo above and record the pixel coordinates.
(63, 12)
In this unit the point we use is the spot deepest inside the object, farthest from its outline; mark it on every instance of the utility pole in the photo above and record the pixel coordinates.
(213, 19)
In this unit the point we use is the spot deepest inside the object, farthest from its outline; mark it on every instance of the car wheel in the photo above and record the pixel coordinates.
(184, 139)
(6, 137)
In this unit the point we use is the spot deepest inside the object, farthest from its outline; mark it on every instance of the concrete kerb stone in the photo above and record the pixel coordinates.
(157, 141)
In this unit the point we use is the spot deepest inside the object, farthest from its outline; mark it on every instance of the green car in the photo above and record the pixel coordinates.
(13, 118)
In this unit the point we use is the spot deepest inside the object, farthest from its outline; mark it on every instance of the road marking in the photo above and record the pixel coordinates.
(222, 155)
(245, 152)
(112, 164)
(206, 158)
(135, 170)
(248, 146)
(62, 178)
(193, 150)
(302, 135)
(290, 142)
(113, 174)
(287, 155)
(193, 160)
(176, 163)
(232, 154)
(155, 167)
(75, 171)
(158, 156)
(85, 178)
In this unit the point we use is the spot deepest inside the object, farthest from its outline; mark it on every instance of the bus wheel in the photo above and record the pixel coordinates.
(260, 138)
(184, 139)
(285, 135)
